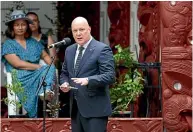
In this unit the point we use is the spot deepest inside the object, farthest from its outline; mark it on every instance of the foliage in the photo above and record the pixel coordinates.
(53, 108)
(128, 86)
(124, 57)
(15, 87)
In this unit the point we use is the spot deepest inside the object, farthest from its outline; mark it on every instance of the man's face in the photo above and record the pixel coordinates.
(81, 32)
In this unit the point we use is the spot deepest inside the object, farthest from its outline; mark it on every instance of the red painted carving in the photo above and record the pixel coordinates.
(34, 125)
(148, 35)
(67, 127)
(4, 111)
(148, 126)
(148, 16)
(115, 126)
(176, 20)
(174, 109)
(6, 127)
(177, 23)
(64, 125)
(119, 15)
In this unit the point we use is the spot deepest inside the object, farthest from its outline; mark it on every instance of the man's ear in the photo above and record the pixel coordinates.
(89, 28)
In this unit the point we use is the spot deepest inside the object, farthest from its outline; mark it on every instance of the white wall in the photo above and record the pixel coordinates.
(42, 8)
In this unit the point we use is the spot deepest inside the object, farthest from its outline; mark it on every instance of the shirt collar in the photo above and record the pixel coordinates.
(86, 44)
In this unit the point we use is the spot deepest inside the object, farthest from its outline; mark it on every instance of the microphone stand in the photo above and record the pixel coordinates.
(43, 83)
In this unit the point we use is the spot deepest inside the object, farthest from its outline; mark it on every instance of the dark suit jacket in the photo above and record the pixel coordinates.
(97, 64)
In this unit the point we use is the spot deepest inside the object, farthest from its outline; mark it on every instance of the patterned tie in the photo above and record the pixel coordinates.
(78, 59)
(76, 67)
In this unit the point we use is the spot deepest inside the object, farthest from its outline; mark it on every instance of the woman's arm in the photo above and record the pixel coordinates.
(51, 41)
(46, 57)
(16, 62)
(52, 50)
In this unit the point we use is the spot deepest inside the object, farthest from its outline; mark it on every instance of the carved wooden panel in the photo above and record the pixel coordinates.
(149, 35)
(119, 15)
(135, 125)
(176, 46)
(64, 125)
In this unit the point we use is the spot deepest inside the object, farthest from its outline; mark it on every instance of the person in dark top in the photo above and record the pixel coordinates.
(37, 34)
(45, 40)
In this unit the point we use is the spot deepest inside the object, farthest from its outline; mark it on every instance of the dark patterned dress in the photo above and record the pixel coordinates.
(44, 42)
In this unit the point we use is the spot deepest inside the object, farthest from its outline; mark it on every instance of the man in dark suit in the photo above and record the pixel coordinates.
(89, 67)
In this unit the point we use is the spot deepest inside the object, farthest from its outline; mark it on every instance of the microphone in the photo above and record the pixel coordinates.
(65, 41)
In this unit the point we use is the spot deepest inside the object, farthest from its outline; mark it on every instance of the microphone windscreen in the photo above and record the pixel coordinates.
(67, 40)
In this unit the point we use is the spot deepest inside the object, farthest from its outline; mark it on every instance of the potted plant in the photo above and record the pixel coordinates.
(129, 81)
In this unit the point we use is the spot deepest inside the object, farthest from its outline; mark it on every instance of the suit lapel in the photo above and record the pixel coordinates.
(72, 55)
(87, 54)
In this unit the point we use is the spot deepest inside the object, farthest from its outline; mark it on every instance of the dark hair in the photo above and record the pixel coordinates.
(10, 33)
(33, 13)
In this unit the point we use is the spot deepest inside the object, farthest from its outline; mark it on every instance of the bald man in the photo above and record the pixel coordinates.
(87, 72)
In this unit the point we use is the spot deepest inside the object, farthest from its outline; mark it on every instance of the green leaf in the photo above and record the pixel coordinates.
(119, 100)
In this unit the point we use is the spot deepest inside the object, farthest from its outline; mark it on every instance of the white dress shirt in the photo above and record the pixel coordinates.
(77, 50)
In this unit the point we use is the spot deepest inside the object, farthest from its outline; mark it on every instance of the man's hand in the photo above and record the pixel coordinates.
(81, 81)
(65, 87)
